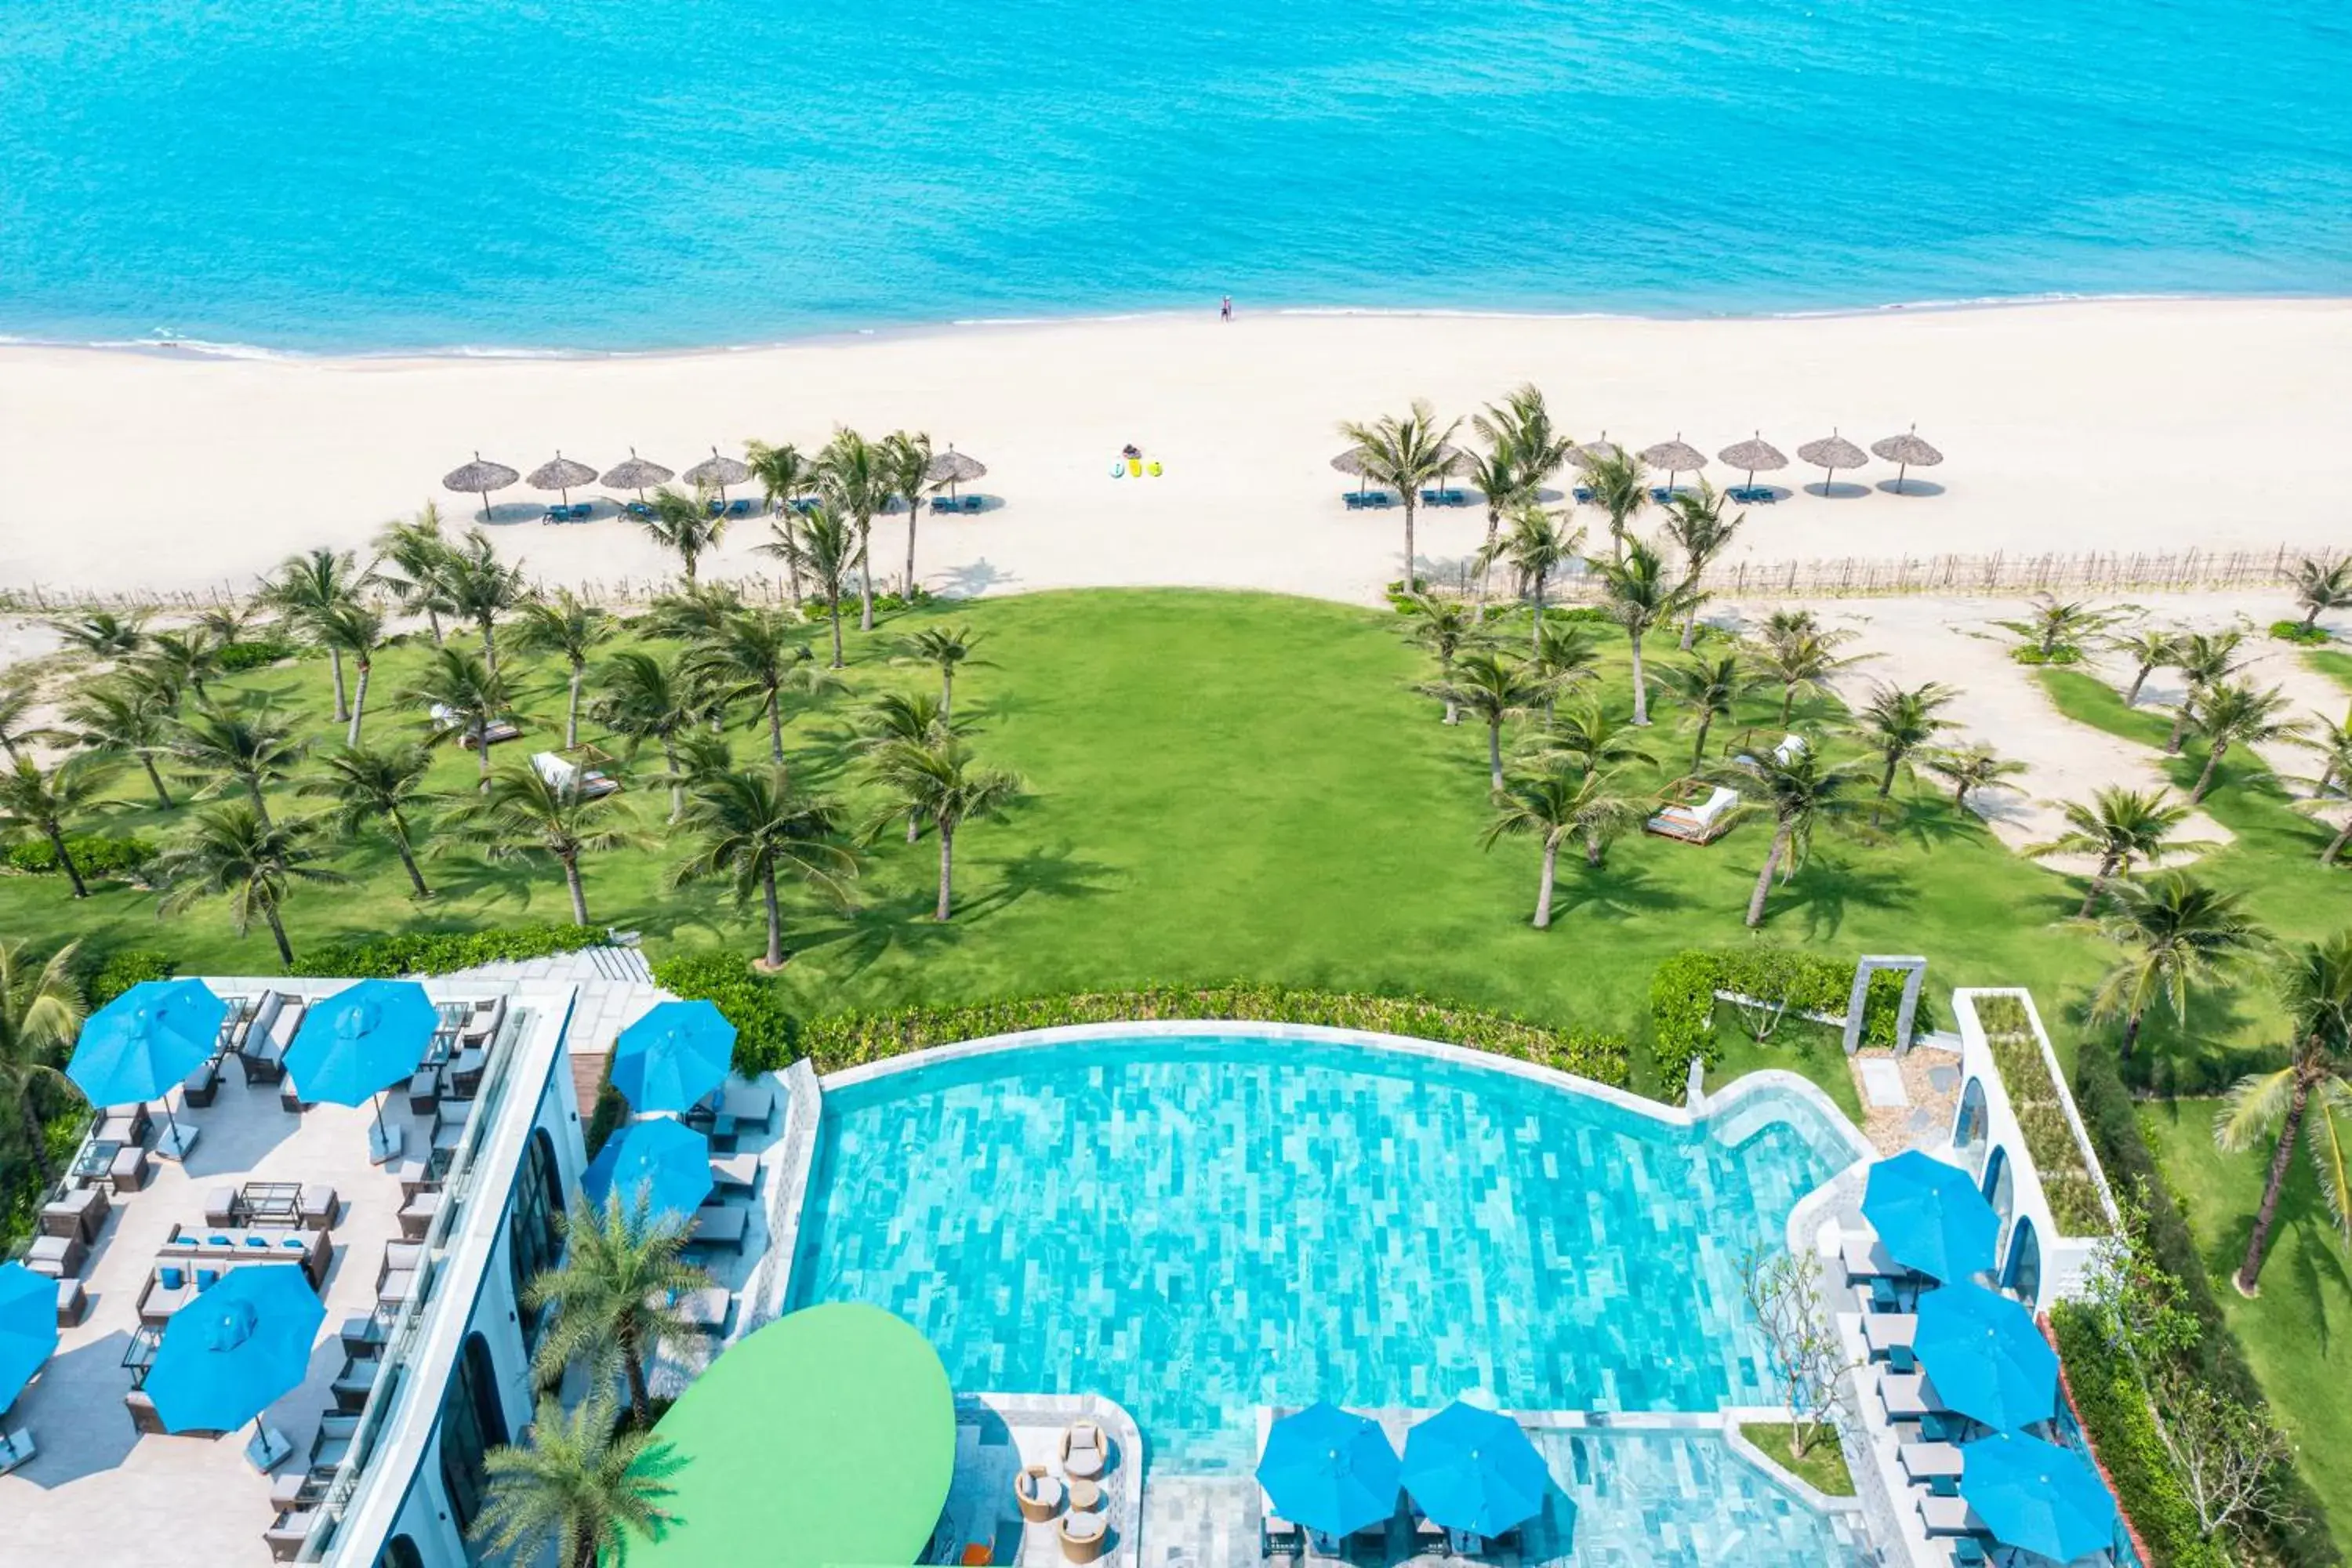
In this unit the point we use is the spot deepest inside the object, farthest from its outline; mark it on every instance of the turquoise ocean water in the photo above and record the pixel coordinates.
(368, 175)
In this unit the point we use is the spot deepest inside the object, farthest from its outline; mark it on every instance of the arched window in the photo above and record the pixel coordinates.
(2000, 1186)
(533, 1245)
(472, 1424)
(2021, 1275)
(1969, 1132)
(400, 1553)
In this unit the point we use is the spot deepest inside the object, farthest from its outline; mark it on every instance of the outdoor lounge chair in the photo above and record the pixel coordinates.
(710, 1310)
(718, 1225)
(396, 1277)
(1085, 1450)
(1702, 823)
(416, 1215)
(131, 1126)
(943, 503)
(745, 1105)
(1936, 1465)
(1888, 1335)
(735, 1174)
(1950, 1516)
(560, 774)
(1038, 1493)
(351, 1389)
(333, 1441)
(1083, 1535)
(490, 734)
(287, 1532)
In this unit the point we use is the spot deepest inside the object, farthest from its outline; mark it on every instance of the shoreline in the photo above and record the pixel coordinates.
(178, 349)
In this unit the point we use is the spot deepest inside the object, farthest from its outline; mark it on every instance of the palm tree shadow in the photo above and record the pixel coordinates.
(1926, 822)
(1826, 891)
(1618, 888)
(863, 936)
(508, 882)
(2318, 1267)
(1055, 873)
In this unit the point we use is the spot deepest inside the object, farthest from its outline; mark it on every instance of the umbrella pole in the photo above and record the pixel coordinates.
(174, 1122)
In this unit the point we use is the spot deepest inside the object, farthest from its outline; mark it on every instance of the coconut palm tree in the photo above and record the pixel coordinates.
(2150, 649)
(2205, 659)
(1493, 689)
(2237, 714)
(1968, 769)
(1802, 792)
(2316, 984)
(940, 783)
(181, 662)
(246, 747)
(2175, 933)
(1496, 476)
(2322, 583)
(1556, 805)
(1445, 628)
(1593, 741)
(913, 717)
(1536, 544)
(830, 549)
(18, 700)
(1805, 660)
(579, 1486)
(307, 589)
(1620, 487)
(907, 464)
(1539, 449)
(412, 562)
(103, 633)
(1403, 454)
(231, 625)
(756, 656)
(525, 817)
(1564, 659)
(697, 613)
(1709, 688)
(1696, 524)
(480, 588)
(123, 719)
(645, 700)
(357, 630)
(784, 477)
(41, 1011)
(854, 476)
(568, 630)
(1638, 594)
(2332, 743)
(946, 649)
(1898, 724)
(623, 1267)
(233, 851)
(752, 827)
(683, 525)
(42, 801)
(379, 790)
(464, 699)
(2117, 826)
(2055, 629)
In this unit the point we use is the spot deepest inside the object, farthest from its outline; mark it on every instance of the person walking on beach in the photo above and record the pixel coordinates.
(1225, 311)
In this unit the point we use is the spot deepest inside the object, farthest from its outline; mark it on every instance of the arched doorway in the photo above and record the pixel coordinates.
(2020, 1275)
(1969, 1133)
(400, 1552)
(534, 1245)
(473, 1422)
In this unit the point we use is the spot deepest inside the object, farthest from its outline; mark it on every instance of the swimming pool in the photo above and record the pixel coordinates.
(1197, 1225)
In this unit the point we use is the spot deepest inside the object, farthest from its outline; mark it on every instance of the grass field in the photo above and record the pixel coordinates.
(2336, 666)
(2298, 1331)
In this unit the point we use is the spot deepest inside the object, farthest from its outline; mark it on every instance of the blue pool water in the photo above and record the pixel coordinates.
(1198, 1226)
(621, 173)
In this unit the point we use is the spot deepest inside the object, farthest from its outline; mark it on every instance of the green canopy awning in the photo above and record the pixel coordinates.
(826, 1438)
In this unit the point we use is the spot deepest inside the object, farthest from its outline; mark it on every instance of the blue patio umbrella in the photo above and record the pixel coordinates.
(238, 1345)
(1329, 1470)
(1930, 1215)
(676, 1054)
(29, 1327)
(151, 1037)
(1474, 1470)
(2037, 1497)
(667, 1158)
(1987, 1360)
(360, 1041)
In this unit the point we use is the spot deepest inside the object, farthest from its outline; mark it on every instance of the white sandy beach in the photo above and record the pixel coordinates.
(2118, 426)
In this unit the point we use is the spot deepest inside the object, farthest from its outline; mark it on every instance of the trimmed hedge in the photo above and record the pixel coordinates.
(437, 952)
(2029, 654)
(1683, 988)
(765, 1034)
(2113, 1402)
(240, 656)
(849, 1039)
(94, 855)
(122, 970)
(2301, 635)
(2216, 1359)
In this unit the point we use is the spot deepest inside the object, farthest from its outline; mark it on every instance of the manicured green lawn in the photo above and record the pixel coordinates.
(2328, 662)
(2298, 1331)
(1823, 1469)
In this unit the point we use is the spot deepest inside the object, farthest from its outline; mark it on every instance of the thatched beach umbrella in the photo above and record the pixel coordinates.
(1590, 452)
(716, 472)
(637, 474)
(953, 467)
(1351, 462)
(1906, 452)
(1753, 456)
(1676, 456)
(1833, 452)
(559, 475)
(479, 479)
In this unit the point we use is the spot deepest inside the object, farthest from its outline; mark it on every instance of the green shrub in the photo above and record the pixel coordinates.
(238, 658)
(122, 970)
(438, 953)
(1683, 988)
(94, 855)
(2028, 654)
(765, 1034)
(850, 1040)
(610, 1110)
(2301, 635)
(2216, 1359)
(2112, 1405)
(1682, 1015)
